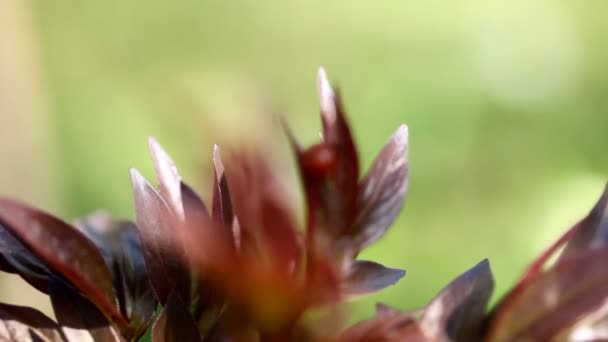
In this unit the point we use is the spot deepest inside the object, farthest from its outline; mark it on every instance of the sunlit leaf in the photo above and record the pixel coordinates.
(22, 324)
(365, 277)
(556, 299)
(458, 311)
(266, 222)
(329, 170)
(222, 212)
(166, 268)
(592, 231)
(169, 179)
(382, 192)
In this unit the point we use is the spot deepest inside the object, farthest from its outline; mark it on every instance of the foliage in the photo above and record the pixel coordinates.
(243, 269)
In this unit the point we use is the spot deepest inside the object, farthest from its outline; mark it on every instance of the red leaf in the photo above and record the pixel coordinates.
(120, 245)
(458, 312)
(267, 225)
(74, 311)
(175, 324)
(18, 324)
(592, 231)
(555, 300)
(65, 250)
(382, 192)
(330, 171)
(168, 178)
(16, 258)
(222, 212)
(167, 269)
(366, 277)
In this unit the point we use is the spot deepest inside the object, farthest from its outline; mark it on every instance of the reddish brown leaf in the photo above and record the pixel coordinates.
(65, 250)
(120, 245)
(168, 177)
(19, 324)
(336, 192)
(458, 312)
(76, 312)
(388, 325)
(366, 277)
(222, 212)
(265, 219)
(382, 192)
(592, 231)
(555, 300)
(167, 269)
(16, 258)
(175, 324)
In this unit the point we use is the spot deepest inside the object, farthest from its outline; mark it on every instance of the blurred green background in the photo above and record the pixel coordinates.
(506, 102)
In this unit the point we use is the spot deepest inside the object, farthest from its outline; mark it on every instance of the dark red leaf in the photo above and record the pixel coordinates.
(119, 243)
(76, 312)
(19, 324)
(205, 302)
(16, 258)
(365, 277)
(168, 177)
(382, 192)
(222, 212)
(557, 299)
(266, 223)
(175, 324)
(167, 269)
(458, 312)
(388, 325)
(65, 250)
(329, 171)
(592, 231)
(338, 191)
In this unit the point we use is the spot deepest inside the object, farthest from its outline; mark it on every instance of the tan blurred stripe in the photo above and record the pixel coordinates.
(27, 150)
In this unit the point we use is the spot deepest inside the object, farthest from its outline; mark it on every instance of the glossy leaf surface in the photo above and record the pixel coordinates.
(64, 250)
(458, 312)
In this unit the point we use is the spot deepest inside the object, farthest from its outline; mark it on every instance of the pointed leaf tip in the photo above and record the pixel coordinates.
(168, 176)
(366, 277)
(458, 311)
(217, 160)
(326, 96)
(383, 191)
(591, 232)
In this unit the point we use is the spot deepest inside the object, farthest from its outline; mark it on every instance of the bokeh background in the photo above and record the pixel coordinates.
(506, 102)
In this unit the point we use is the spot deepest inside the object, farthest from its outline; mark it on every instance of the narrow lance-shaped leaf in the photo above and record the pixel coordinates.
(169, 179)
(382, 192)
(65, 250)
(366, 277)
(592, 232)
(78, 314)
(175, 324)
(339, 194)
(457, 313)
(265, 221)
(166, 270)
(119, 243)
(19, 324)
(555, 300)
(329, 170)
(222, 212)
